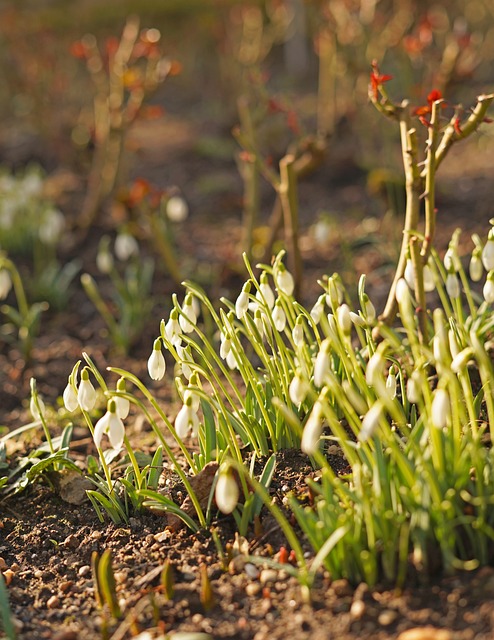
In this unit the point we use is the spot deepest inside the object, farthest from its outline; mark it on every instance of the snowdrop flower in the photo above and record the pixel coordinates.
(318, 309)
(344, 318)
(402, 293)
(242, 303)
(258, 321)
(284, 280)
(374, 373)
(173, 329)
(358, 319)
(454, 346)
(70, 396)
(104, 258)
(312, 430)
(298, 388)
(356, 400)
(368, 310)
(488, 252)
(37, 409)
(187, 419)
(188, 320)
(461, 359)
(86, 394)
(122, 404)
(5, 283)
(110, 425)
(322, 363)
(191, 395)
(413, 388)
(476, 268)
(126, 246)
(225, 346)
(409, 274)
(371, 421)
(279, 317)
(265, 292)
(156, 362)
(440, 408)
(452, 285)
(177, 209)
(231, 359)
(488, 290)
(391, 382)
(226, 493)
(335, 292)
(51, 227)
(298, 332)
(184, 356)
(427, 275)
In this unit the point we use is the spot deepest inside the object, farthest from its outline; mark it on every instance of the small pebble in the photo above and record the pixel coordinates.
(65, 586)
(251, 570)
(84, 571)
(425, 633)
(268, 575)
(252, 588)
(53, 602)
(387, 617)
(71, 542)
(357, 609)
(3, 564)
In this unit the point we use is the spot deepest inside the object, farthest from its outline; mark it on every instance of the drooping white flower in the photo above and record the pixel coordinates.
(173, 329)
(86, 394)
(440, 408)
(51, 226)
(461, 359)
(231, 359)
(37, 411)
(298, 388)
(409, 274)
(191, 395)
(452, 285)
(368, 309)
(322, 364)
(428, 276)
(126, 246)
(391, 382)
(284, 280)
(187, 419)
(488, 252)
(265, 292)
(413, 388)
(335, 292)
(5, 283)
(488, 290)
(374, 372)
(358, 319)
(279, 317)
(242, 303)
(184, 357)
(312, 430)
(156, 362)
(104, 258)
(258, 321)
(177, 209)
(110, 425)
(70, 397)
(402, 292)
(188, 318)
(123, 404)
(298, 332)
(476, 268)
(344, 318)
(318, 309)
(371, 421)
(226, 492)
(225, 346)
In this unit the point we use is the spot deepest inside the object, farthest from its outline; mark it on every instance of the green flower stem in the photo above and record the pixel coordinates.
(421, 310)
(106, 469)
(137, 472)
(20, 293)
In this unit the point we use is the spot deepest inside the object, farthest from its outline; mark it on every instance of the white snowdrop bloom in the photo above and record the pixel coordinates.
(391, 383)
(461, 359)
(488, 290)
(357, 319)
(177, 209)
(225, 346)
(156, 362)
(356, 400)
(123, 404)
(322, 364)
(86, 394)
(312, 430)
(187, 420)
(279, 317)
(454, 347)
(371, 421)
(51, 227)
(318, 309)
(70, 397)
(335, 292)
(413, 388)
(368, 310)
(184, 356)
(428, 276)
(453, 285)
(298, 388)
(242, 303)
(265, 292)
(110, 425)
(440, 408)
(488, 252)
(126, 246)
(35, 412)
(476, 268)
(104, 260)
(284, 280)
(32, 184)
(344, 319)
(231, 359)
(298, 333)
(191, 395)
(188, 320)
(402, 292)
(374, 372)
(226, 493)
(173, 329)
(451, 260)
(5, 283)
(409, 274)
(258, 321)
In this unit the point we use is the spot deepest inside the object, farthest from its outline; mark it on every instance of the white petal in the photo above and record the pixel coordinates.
(86, 395)
(226, 493)
(312, 431)
(156, 365)
(70, 398)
